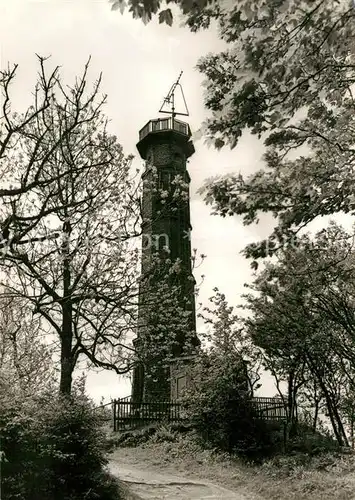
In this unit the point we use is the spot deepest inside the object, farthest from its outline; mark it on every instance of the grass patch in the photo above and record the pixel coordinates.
(151, 433)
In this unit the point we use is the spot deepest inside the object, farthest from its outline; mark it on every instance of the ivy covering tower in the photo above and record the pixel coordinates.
(167, 322)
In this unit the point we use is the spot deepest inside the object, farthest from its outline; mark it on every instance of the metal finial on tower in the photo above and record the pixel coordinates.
(170, 100)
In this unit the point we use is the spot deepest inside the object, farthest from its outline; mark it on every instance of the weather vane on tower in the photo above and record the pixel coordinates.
(169, 100)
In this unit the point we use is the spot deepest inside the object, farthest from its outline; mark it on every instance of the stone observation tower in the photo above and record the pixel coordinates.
(165, 145)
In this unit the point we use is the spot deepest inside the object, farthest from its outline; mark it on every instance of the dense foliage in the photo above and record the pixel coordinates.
(25, 357)
(301, 316)
(218, 408)
(146, 9)
(287, 75)
(52, 448)
(217, 401)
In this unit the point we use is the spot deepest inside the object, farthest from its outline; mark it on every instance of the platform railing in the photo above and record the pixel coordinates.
(161, 124)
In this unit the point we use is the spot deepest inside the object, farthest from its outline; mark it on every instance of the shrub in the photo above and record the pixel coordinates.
(218, 408)
(154, 433)
(165, 434)
(306, 440)
(53, 449)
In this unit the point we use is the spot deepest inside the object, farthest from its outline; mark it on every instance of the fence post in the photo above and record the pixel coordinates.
(114, 415)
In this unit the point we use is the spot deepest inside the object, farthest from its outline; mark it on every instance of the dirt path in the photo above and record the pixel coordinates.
(149, 484)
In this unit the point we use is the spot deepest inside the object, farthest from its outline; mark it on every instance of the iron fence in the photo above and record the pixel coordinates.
(270, 408)
(129, 415)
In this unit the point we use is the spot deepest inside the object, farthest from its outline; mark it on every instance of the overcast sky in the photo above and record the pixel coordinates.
(139, 63)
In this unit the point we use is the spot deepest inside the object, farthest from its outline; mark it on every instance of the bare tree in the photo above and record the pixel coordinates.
(69, 211)
(71, 228)
(30, 142)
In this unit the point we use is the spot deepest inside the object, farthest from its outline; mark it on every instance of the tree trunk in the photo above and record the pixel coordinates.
(335, 419)
(334, 416)
(66, 371)
(315, 416)
(66, 358)
(331, 416)
(341, 427)
(291, 403)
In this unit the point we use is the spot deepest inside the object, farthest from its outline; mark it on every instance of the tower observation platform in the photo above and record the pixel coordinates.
(165, 130)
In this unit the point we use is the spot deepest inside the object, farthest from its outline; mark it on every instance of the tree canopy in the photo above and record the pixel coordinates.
(287, 76)
(146, 9)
